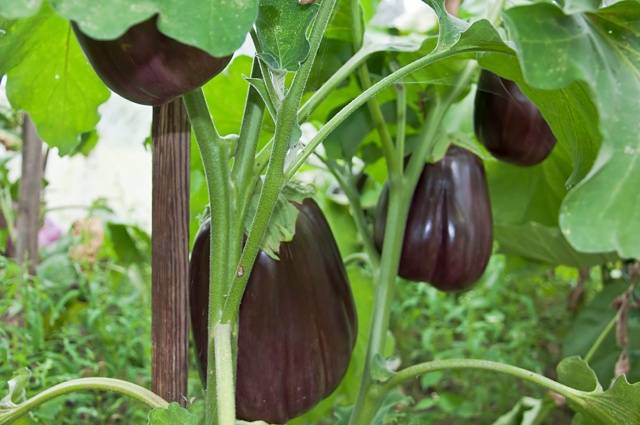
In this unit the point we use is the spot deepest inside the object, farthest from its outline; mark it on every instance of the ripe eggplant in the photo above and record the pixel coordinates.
(297, 321)
(509, 124)
(147, 67)
(449, 231)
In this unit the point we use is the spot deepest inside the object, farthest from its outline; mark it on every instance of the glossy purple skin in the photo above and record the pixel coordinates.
(449, 231)
(297, 321)
(147, 67)
(509, 124)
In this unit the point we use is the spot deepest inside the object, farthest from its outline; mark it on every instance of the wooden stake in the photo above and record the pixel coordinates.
(170, 251)
(28, 218)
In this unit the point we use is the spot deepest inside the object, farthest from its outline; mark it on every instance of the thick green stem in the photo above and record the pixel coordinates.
(224, 375)
(125, 388)
(215, 161)
(399, 200)
(401, 126)
(242, 172)
(286, 123)
(398, 208)
(415, 371)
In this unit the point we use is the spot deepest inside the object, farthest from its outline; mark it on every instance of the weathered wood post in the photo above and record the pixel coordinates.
(28, 217)
(170, 251)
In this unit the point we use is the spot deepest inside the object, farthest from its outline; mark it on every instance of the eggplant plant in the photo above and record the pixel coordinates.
(272, 312)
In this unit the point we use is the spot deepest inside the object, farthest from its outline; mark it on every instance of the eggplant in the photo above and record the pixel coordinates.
(297, 323)
(449, 231)
(509, 124)
(147, 67)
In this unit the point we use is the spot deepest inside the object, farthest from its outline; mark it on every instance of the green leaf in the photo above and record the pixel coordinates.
(527, 411)
(576, 373)
(17, 389)
(216, 26)
(282, 225)
(49, 77)
(578, 6)
(451, 28)
(591, 321)
(172, 415)
(620, 404)
(14, 9)
(601, 213)
(281, 28)
(538, 242)
(380, 371)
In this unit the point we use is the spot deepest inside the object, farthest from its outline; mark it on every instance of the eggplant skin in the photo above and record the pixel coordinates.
(147, 67)
(509, 124)
(297, 321)
(449, 230)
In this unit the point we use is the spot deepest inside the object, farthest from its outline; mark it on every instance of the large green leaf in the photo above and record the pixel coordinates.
(216, 26)
(13, 9)
(602, 212)
(281, 28)
(49, 77)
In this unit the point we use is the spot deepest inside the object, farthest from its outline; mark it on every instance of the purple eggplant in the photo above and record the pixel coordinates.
(297, 321)
(147, 67)
(449, 231)
(509, 124)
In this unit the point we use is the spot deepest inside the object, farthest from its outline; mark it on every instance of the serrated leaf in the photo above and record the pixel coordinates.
(49, 77)
(172, 415)
(281, 28)
(14, 9)
(380, 371)
(216, 26)
(602, 213)
(576, 373)
(17, 389)
(620, 404)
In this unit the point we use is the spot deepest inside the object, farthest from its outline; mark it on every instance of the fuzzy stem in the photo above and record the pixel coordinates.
(125, 388)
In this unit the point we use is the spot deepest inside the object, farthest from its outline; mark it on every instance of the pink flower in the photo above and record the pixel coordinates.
(48, 233)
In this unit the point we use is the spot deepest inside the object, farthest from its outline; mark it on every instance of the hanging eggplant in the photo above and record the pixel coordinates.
(147, 67)
(509, 124)
(297, 324)
(449, 231)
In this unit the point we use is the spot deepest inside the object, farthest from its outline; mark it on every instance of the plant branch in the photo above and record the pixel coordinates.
(346, 184)
(365, 82)
(415, 371)
(224, 375)
(242, 172)
(600, 339)
(338, 77)
(125, 388)
(364, 97)
(401, 126)
(215, 161)
(286, 123)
